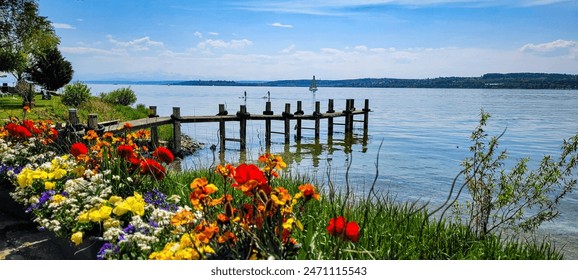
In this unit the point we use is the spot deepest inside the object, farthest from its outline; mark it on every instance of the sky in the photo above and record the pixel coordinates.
(296, 39)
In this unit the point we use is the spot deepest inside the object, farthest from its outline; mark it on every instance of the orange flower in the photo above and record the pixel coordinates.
(26, 109)
(127, 126)
(225, 171)
(309, 192)
(201, 189)
(90, 135)
(183, 217)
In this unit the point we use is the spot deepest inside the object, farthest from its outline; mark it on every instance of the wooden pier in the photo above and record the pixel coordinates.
(242, 117)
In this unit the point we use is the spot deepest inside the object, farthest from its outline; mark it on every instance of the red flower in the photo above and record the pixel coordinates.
(352, 231)
(341, 228)
(336, 226)
(164, 155)
(78, 149)
(53, 134)
(125, 151)
(248, 177)
(153, 168)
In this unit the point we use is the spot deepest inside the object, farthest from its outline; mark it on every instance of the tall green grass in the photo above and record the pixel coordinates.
(390, 229)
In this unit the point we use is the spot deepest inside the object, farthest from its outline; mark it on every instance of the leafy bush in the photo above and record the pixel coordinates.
(121, 96)
(519, 199)
(75, 94)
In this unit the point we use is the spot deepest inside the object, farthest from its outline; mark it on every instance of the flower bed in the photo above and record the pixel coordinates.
(105, 188)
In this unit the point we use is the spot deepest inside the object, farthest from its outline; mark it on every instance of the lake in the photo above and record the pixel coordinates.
(423, 135)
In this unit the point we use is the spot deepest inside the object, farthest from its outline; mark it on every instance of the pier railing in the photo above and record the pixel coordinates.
(242, 117)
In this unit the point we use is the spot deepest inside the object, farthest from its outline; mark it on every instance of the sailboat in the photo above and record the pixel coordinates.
(313, 86)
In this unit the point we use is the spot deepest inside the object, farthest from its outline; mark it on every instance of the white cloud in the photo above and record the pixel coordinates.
(221, 44)
(62, 26)
(214, 33)
(198, 34)
(277, 24)
(288, 49)
(140, 44)
(550, 46)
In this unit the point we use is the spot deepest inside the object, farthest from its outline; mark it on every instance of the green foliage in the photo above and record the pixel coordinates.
(121, 96)
(518, 199)
(75, 94)
(51, 70)
(25, 35)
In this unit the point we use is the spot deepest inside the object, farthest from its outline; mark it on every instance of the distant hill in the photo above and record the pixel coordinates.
(490, 80)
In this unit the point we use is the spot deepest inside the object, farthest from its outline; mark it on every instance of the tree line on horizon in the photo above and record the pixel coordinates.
(490, 80)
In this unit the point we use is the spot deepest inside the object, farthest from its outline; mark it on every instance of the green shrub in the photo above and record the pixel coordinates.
(121, 96)
(75, 94)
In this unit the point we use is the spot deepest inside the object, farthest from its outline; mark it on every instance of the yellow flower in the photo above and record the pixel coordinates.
(97, 215)
(24, 179)
(134, 204)
(57, 174)
(49, 185)
(83, 217)
(57, 198)
(76, 238)
(78, 171)
(288, 224)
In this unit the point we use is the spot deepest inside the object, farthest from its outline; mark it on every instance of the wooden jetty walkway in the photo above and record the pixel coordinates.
(242, 117)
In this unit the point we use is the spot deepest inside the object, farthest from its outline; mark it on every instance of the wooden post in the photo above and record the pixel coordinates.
(268, 124)
(92, 121)
(330, 119)
(222, 134)
(176, 130)
(299, 112)
(73, 116)
(317, 115)
(243, 127)
(366, 111)
(287, 114)
(154, 129)
(349, 106)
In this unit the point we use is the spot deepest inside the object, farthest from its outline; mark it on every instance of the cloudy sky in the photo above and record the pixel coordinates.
(295, 39)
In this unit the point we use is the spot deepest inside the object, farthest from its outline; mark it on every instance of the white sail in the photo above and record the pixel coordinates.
(313, 86)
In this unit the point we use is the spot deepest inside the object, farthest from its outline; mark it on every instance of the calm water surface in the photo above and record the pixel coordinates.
(423, 133)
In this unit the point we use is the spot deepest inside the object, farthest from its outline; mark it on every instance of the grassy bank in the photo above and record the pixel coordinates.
(54, 110)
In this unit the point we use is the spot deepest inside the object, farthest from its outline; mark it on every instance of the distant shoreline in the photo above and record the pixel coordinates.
(486, 81)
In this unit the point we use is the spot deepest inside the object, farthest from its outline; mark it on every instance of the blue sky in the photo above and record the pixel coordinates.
(295, 39)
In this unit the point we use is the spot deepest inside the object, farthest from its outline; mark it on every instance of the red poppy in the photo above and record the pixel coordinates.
(125, 151)
(164, 155)
(341, 228)
(78, 149)
(352, 231)
(153, 168)
(336, 226)
(248, 177)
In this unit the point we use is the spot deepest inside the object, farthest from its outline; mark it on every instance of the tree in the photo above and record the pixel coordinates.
(25, 35)
(51, 70)
(75, 94)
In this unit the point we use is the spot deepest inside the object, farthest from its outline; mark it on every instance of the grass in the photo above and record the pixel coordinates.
(53, 109)
(390, 230)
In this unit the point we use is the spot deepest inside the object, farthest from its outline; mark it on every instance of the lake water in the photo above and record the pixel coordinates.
(423, 133)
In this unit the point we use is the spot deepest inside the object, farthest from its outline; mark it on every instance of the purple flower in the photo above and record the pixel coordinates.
(159, 199)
